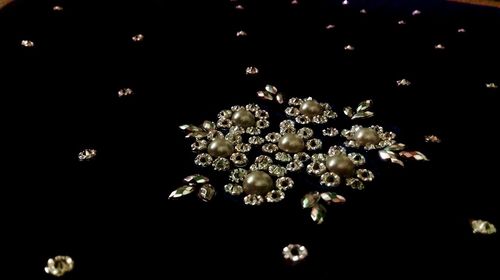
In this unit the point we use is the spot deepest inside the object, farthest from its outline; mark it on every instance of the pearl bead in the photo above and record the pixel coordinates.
(340, 165)
(291, 143)
(367, 136)
(258, 182)
(243, 118)
(220, 147)
(311, 108)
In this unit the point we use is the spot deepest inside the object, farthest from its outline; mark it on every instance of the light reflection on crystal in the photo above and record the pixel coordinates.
(252, 70)
(27, 43)
(483, 227)
(138, 38)
(59, 265)
(295, 252)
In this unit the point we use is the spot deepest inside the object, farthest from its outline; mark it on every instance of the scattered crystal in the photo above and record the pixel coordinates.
(138, 38)
(390, 155)
(243, 147)
(314, 144)
(403, 82)
(225, 114)
(253, 130)
(318, 213)
(256, 140)
(264, 159)
(363, 115)
(261, 124)
(234, 138)
(362, 11)
(294, 101)
(349, 48)
(301, 119)
(269, 148)
(280, 99)
(365, 175)
(221, 164)
(252, 70)
(331, 197)
(239, 159)
(292, 111)
(294, 252)
(483, 227)
(271, 89)
(330, 26)
(182, 191)
(330, 131)
(345, 2)
(491, 85)
(233, 189)
(237, 175)
(262, 114)
(235, 108)
(302, 157)
(214, 134)
(206, 192)
(224, 123)
(439, 47)
(316, 168)
(310, 199)
(320, 119)
(239, 7)
(432, 139)
(253, 199)
(348, 111)
(401, 22)
(208, 125)
(355, 183)
(275, 196)
(305, 132)
(27, 43)
(294, 2)
(59, 265)
(335, 150)
(283, 157)
(57, 8)
(199, 145)
(461, 30)
(284, 183)
(294, 166)
(273, 137)
(319, 157)
(277, 171)
(196, 179)
(265, 95)
(357, 159)
(87, 154)
(241, 33)
(416, 13)
(330, 179)
(416, 155)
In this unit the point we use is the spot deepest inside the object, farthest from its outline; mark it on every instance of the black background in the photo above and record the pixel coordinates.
(112, 216)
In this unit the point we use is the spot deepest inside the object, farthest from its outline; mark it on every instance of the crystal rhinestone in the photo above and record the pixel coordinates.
(182, 191)
(491, 85)
(310, 199)
(239, 159)
(234, 138)
(345, 2)
(196, 179)
(256, 140)
(432, 139)
(252, 70)
(294, 2)
(206, 192)
(416, 13)
(330, 131)
(233, 189)
(316, 168)
(264, 159)
(329, 114)
(302, 157)
(319, 157)
(214, 134)
(287, 124)
(292, 111)
(355, 183)
(330, 26)
(27, 43)
(239, 7)
(280, 99)
(305, 132)
(253, 199)
(362, 11)
(237, 175)
(270, 148)
(365, 175)
(199, 145)
(318, 213)
(330, 179)
(287, 130)
(277, 171)
(87, 154)
(320, 119)
(273, 137)
(243, 147)
(138, 38)
(272, 89)
(349, 48)
(357, 159)
(125, 92)
(259, 166)
(253, 130)
(461, 30)
(331, 197)
(314, 144)
(224, 123)
(275, 196)
(295, 252)
(284, 183)
(253, 107)
(241, 33)
(235, 108)
(57, 8)
(203, 160)
(439, 47)
(294, 166)
(261, 114)
(265, 95)
(59, 265)
(483, 227)
(294, 101)
(401, 22)
(302, 119)
(236, 130)
(403, 82)
(225, 114)
(221, 164)
(283, 157)
(208, 125)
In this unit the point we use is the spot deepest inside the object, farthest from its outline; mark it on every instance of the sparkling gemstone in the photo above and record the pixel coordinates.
(292, 111)
(253, 130)
(318, 213)
(265, 95)
(243, 147)
(261, 124)
(432, 139)
(483, 227)
(59, 265)
(203, 160)
(491, 85)
(58, 8)
(182, 191)
(273, 137)
(280, 99)
(314, 144)
(241, 33)
(253, 199)
(305, 132)
(224, 123)
(415, 13)
(294, 101)
(284, 183)
(403, 82)
(362, 11)
(225, 114)
(271, 89)
(275, 196)
(199, 145)
(330, 179)
(330, 26)
(196, 179)
(301, 119)
(365, 175)
(252, 70)
(262, 114)
(294, 252)
(320, 119)
(401, 22)
(237, 175)
(294, 166)
(252, 107)
(316, 168)
(239, 159)
(349, 48)
(439, 47)
(264, 159)
(335, 150)
(239, 7)
(206, 192)
(330, 131)
(357, 159)
(283, 157)
(256, 140)
(461, 30)
(221, 164)
(269, 148)
(310, 199)
(138, 38)
(27, 43)
(319, 157)
(355, 183)
(87, 154)
(277, 171)
(331, 197)
(233, 138)
(233, 189)
(302, 157)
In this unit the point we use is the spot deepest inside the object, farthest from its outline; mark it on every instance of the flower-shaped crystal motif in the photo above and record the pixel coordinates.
(248, 119)
(339, 166)
(369, 138)
(308, 110)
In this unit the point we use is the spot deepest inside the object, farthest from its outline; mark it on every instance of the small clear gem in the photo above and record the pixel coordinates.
(330, 179)
(283, 157)
(316, 168)
(59, 265)
(253, 199)
(294, 166)
(302, 157)
(284, 183)
(355, 183)
(277, 171)
(305, 132)
(241, 33)
(483, 227)
(273, 137)
(269, 148)
(365, 175)
(27, 43)
(203, 160)
(87, 154)
(295, 252)
(237, 175)
(233, 189)
(243, 147)
(292, 111)
(319, 157)
(239, 159)
(252, 70)
(256, 140)
(330, 131)
(314, 144)
(221, 164)
(138, 38)
(275, 196)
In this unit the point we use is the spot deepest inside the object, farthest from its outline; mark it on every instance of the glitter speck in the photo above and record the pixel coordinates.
(57, 8)
(349, 48)
(27, 43)
(138, 38)
(252, 70)
(241, 33)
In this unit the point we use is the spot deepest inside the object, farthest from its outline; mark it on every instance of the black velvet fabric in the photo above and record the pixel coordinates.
(112, 215)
